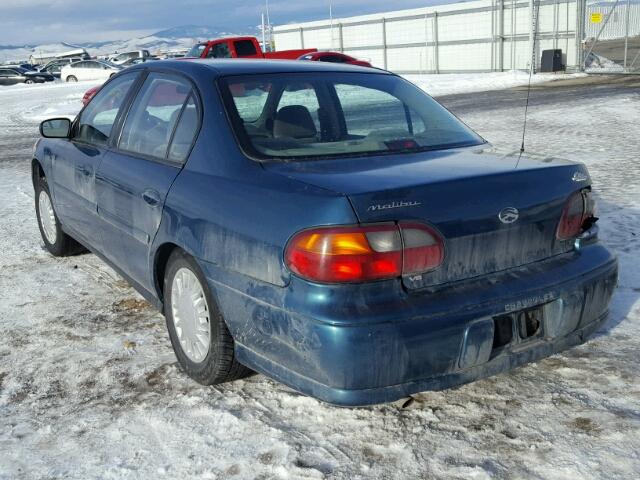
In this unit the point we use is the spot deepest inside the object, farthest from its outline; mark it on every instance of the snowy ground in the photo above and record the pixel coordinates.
(452, 83)
(89, 387)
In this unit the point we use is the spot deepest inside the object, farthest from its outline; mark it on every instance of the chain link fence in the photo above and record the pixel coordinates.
(612, 36)
(597, 36)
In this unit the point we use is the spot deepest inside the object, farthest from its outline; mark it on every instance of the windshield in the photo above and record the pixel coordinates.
(196, 50)
(295, 116)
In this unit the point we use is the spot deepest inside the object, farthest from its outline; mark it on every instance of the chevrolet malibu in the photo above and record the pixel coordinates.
(330, 226)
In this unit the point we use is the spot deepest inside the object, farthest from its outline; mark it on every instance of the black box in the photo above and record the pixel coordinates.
(551, 61)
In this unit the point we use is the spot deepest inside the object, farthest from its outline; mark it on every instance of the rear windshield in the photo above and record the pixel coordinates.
(297, 116)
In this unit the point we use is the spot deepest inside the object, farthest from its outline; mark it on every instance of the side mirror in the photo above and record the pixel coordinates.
(56, 128)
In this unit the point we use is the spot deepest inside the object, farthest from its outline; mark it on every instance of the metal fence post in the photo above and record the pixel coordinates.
(426, 42)
(626, 34)
(301, 38)
(501, 35)
(384, 42)
(436, 54)
(340, 37)
(493, 35)
(581, 13)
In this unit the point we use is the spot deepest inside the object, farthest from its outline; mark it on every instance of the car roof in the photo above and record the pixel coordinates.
(235, 66)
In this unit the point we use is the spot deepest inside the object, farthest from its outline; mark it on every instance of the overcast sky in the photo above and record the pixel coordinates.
(42, 21)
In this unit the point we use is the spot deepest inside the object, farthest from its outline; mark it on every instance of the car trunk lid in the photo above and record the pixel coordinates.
(494, 211)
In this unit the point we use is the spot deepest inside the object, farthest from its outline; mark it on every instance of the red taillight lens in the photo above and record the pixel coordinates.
(360, 254)
(579, 207)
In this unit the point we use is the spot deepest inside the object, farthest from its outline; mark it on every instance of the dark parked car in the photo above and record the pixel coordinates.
(26, 66)
(14, 75)
(334, 57)
(331, 226)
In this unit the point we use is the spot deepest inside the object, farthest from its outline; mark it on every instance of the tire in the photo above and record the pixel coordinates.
(58, 243)
(71, 78)
(206, 365)
(28, 82)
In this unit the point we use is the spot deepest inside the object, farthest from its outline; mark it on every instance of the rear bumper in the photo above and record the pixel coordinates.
(377, 343)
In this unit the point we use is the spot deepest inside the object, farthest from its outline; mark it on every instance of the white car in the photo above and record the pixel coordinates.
(89, 70)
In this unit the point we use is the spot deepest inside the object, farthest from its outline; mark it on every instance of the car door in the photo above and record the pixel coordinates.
(134, 179)
(74, 69)
(54, 69)
(75, 161)
(10, 77)
(91, 71)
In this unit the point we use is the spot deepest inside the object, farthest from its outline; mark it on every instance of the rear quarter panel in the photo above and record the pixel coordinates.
(226, 209)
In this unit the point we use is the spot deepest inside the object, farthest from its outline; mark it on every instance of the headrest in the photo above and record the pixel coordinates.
(294, 121)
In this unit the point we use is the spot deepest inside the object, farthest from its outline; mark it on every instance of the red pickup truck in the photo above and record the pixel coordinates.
(241, 47)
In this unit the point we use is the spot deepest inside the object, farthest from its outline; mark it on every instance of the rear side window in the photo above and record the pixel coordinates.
(96, 120)
(245, 48)
(154, 115)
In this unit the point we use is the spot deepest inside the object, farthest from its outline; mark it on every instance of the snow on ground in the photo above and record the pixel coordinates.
(89, 386)
(452, 83)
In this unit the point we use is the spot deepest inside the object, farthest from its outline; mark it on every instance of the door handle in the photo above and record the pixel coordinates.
(151, 197)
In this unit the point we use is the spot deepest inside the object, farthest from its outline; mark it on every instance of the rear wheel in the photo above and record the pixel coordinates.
(199, 335)
(71, 78)
(28, 82)
(55, 240)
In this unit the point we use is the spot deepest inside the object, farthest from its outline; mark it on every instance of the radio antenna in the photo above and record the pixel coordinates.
(534, 34)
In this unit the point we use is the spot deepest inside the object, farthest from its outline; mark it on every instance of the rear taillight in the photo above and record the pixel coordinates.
(579, 207)
(360, 254)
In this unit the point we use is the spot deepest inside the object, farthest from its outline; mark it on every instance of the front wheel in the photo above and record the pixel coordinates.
(199, 335)
(55, 240)
(71, 78)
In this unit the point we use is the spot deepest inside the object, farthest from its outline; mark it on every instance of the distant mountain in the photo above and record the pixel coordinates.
(189, 31)
(175, 38)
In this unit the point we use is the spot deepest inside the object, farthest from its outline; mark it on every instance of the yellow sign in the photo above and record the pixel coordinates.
(597, 17)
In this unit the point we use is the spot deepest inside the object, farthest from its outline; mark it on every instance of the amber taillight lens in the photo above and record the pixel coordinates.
(364, 253)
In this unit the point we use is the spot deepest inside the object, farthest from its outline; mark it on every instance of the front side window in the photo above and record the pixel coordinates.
(154, 114)
(219, 50)
(95, 123)
(299, 116)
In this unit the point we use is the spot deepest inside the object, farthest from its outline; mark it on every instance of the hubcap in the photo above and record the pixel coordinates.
(47, 217)
(190, 315)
